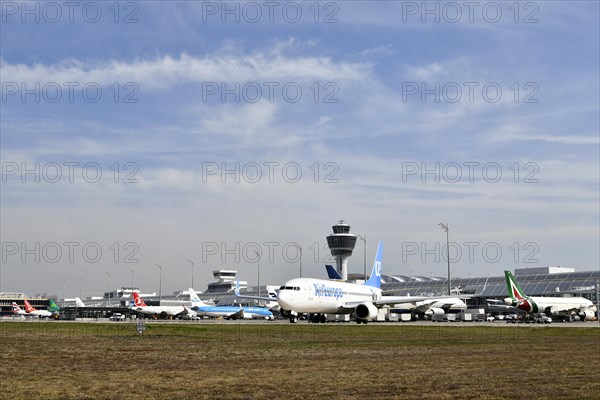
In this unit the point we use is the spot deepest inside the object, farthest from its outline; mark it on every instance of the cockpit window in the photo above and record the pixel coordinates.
(289, 288)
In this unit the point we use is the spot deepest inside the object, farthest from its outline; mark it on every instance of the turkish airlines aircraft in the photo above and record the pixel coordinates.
(142, 307)
(320, 297)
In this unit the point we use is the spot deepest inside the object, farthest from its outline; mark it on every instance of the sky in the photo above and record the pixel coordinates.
(204, 135)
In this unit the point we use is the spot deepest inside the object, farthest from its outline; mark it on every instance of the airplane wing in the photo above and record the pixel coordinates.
(391, 300)
(237, 294)
(187, 312)
(236, 315)
(414, 299)
(427, 306)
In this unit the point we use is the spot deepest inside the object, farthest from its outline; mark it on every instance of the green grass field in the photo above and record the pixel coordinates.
(259, 361)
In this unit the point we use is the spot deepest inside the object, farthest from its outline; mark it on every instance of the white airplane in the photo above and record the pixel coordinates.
(549, 305)
(32, 311)
(141, 307)
(320, 297)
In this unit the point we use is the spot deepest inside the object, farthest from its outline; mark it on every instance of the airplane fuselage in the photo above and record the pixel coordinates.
(307, 295)
(552, 305)
(154, 310)
(229, 311)
(39, 313)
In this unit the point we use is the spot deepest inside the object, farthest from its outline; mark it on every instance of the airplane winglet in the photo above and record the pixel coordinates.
(237, 288)
(332, 273)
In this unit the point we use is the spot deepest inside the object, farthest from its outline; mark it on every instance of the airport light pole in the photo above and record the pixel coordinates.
(258, 270)
(108, 292)
(300, 250)
(363, 237)
(64, 290)
(447, 229)
(191, 262)
(300, 247)
(132, 275)
(80, 287)
(598, 300)
(159, 283)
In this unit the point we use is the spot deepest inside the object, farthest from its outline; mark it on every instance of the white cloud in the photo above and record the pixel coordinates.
(247, 120)
(222, 65)
(560, 139)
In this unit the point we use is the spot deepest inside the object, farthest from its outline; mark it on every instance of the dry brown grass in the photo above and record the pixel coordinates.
(195, 361)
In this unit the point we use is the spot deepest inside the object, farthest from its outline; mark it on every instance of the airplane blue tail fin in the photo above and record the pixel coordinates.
(375, 278)
(332, 273)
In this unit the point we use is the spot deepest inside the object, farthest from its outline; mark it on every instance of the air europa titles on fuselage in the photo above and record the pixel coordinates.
(327, 291)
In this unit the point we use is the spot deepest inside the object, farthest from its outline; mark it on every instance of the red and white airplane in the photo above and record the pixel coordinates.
(30, 311)
(17, 310)
(142, 307)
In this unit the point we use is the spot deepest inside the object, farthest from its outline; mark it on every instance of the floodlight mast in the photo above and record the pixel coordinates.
(258, 270)
(108, 292)
(159, 283)
(191, 262)
(447, 229)
(132, 275)
(363, 237)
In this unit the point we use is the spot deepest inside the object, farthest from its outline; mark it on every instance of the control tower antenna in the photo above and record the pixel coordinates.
(341, 244)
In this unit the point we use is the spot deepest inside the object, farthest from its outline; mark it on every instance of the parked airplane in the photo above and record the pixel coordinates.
(34, 312)
(202, 309)
(549, 305)
(17, 310)
(53, 307)
(320, 297)
(420, 306)
(142, 307)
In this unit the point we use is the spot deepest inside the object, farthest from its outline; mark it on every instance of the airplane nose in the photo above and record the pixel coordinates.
(284, 299)
(508, 301)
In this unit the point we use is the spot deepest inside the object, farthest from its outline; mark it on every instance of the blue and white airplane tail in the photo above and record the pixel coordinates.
(196, 302)
(375, 278)
(332, 273)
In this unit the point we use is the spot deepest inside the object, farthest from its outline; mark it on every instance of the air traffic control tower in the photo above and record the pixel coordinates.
(341, 244)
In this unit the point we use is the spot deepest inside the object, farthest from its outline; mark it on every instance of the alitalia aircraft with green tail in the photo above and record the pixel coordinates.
(549, 305)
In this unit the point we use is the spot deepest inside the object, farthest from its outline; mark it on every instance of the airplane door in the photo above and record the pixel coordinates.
(310, 292)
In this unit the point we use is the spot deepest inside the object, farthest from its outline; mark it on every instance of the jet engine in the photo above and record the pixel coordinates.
(434, 310)
(587, 315)
(365, 311)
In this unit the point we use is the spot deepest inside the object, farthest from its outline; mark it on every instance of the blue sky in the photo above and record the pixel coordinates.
(362, 121)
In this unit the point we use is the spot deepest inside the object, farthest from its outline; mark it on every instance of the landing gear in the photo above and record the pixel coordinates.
(293, 319)
(316, 318)
(361, 321)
